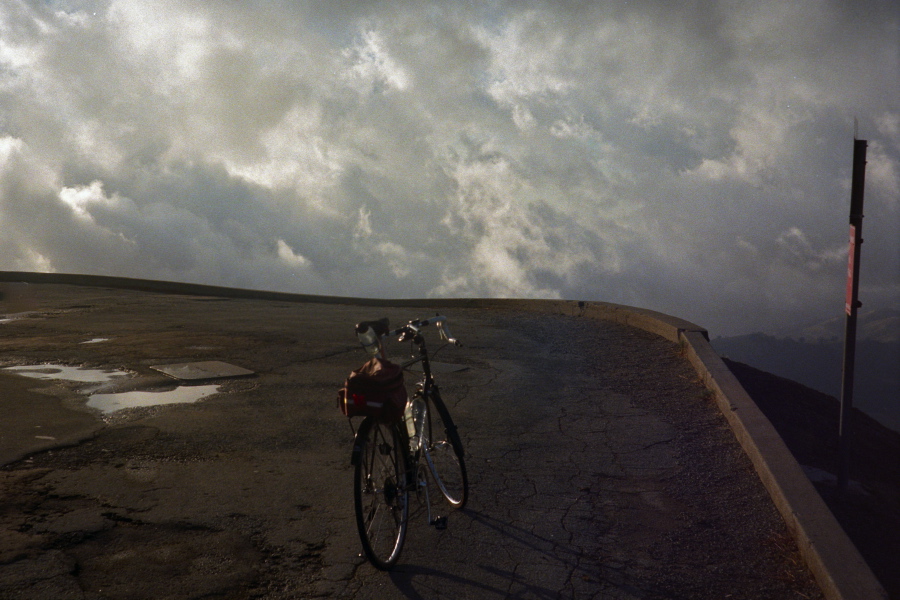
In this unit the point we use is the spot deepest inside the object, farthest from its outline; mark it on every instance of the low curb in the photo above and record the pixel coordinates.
(835, 562)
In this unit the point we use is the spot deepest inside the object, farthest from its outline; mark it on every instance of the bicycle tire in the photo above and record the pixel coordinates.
(443, 451)
(380, 491)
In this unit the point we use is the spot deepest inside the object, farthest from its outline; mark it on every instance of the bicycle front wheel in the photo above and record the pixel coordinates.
(380, 491)
(444, 453)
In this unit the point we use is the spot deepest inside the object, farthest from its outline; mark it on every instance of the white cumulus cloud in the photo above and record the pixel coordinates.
(691, 160)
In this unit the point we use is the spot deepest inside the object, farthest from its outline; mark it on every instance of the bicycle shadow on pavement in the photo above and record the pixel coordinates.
(418, 582)
(440, 584)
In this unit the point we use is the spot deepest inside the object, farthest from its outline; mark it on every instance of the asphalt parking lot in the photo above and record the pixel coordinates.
(599, 465)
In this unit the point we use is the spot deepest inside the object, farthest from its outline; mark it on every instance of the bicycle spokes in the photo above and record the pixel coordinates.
(380, 493)
(443, 453)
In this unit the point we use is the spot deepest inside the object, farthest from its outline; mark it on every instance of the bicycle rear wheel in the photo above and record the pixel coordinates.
(444, 453)
(380, 492)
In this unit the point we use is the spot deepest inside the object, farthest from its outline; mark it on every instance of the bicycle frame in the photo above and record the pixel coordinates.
(427, 382)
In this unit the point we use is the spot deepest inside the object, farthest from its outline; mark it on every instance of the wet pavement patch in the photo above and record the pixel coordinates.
(67, 373)
(13, 317)
(111, 401)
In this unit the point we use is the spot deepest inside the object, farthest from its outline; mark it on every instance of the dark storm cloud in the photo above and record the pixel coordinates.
(691, 160)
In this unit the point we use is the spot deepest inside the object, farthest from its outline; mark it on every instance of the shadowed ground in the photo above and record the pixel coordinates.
(807, 420)
(599, 466)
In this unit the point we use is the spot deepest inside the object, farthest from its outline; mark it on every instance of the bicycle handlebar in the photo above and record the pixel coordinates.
(381, 329)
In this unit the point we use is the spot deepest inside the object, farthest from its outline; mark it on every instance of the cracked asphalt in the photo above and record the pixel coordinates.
(599, 465)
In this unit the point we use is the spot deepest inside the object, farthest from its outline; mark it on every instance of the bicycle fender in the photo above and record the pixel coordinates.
(357, 448)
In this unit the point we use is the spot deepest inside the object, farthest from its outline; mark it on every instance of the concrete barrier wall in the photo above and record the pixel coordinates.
(837, 565)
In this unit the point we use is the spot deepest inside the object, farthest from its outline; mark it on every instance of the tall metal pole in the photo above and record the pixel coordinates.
(852, 304)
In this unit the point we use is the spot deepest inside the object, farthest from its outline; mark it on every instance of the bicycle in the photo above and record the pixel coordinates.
(395, 457)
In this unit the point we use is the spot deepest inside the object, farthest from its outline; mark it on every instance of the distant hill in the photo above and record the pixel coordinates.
(880, 325)
(815, 359)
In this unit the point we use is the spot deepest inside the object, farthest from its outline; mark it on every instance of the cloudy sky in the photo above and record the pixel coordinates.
(689, 157)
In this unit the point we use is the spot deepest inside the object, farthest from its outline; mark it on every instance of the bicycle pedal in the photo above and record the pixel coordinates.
(439, 523)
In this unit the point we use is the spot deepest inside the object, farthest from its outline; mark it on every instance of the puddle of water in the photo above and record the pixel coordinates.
(17, 316)
(109, 403)
(13, 317)
(79, 374)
